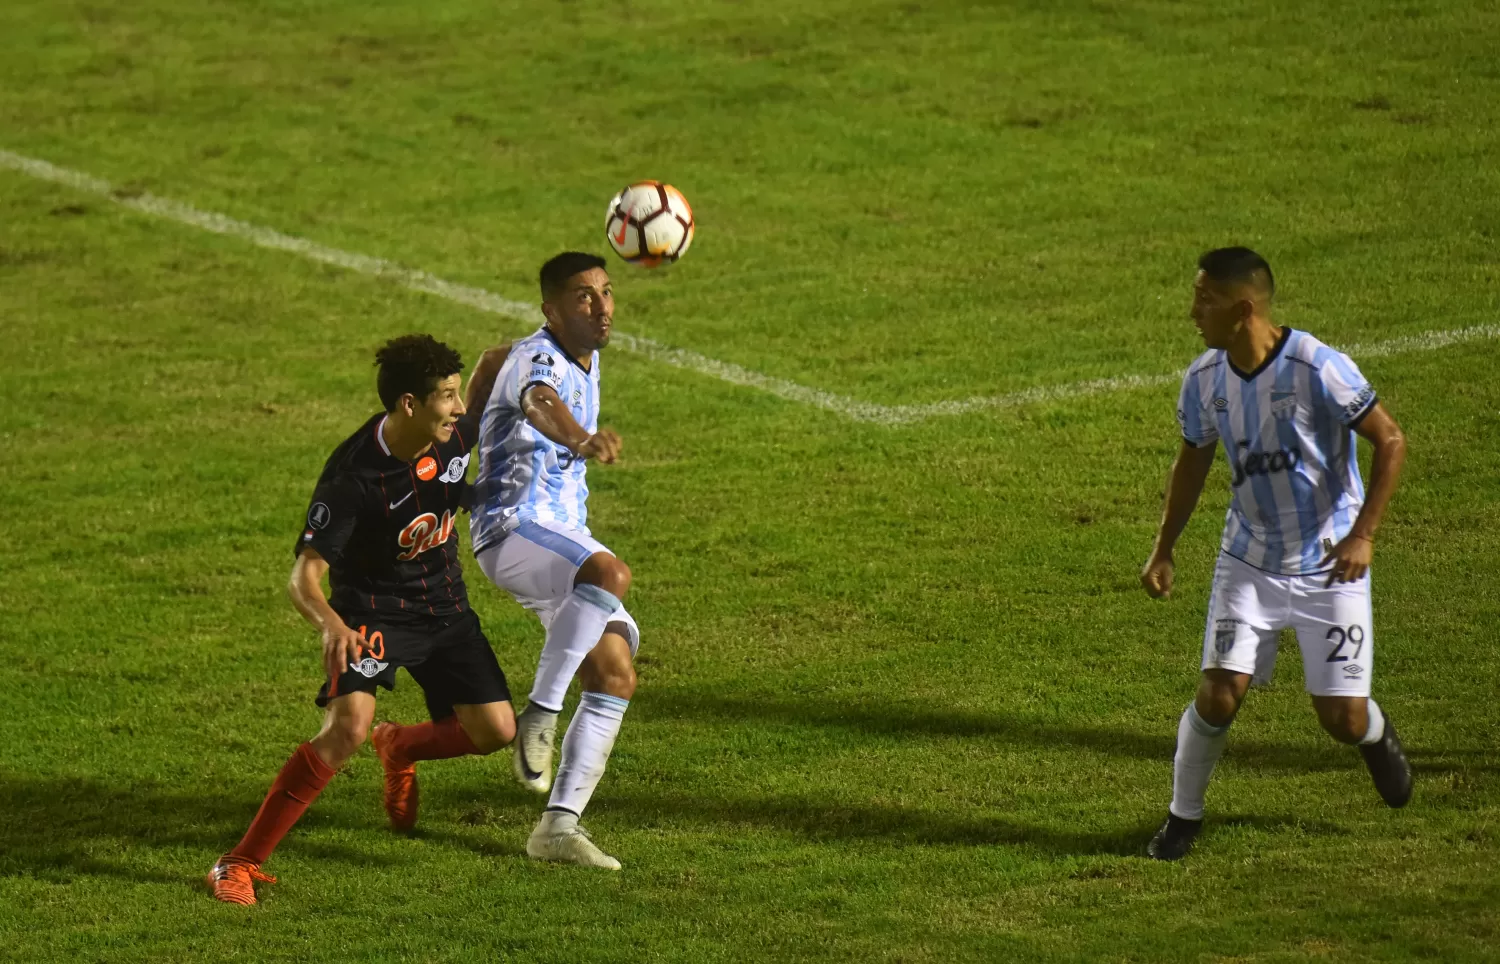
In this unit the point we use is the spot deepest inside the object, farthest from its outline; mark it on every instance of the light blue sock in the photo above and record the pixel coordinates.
(585, 750)
(573, 634)
(1199, 746)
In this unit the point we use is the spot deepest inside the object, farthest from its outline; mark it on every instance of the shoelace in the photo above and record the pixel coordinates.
(224, 870)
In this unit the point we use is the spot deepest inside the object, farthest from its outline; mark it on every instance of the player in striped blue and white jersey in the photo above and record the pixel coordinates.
(1299, 534)
(529, 524)
(524, 475)
(1288, 429)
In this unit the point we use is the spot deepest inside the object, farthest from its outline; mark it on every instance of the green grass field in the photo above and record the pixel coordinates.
(901, 697)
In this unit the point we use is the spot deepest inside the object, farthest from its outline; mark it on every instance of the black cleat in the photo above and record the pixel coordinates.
(1389, 767)
(1174, 839)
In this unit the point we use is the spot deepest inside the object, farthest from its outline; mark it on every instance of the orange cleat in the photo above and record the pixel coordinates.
(233, 880)
(401, 792)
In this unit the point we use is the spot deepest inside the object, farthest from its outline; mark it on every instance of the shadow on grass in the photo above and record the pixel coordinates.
(59, 827)
(920, 721)
(820, 820)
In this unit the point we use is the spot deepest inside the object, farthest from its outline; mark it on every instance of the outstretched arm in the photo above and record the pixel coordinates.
(545, 409)
(1351, 557)
(1184, 485)
(482, 382)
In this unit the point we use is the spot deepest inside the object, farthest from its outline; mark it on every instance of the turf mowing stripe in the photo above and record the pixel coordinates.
(678, 357)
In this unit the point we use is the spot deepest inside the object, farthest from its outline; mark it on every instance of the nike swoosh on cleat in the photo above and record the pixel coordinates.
(402, 499)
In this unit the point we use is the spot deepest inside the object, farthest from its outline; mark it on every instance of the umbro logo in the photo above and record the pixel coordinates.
(1353, 669)
(1221, 403)
(402, 499)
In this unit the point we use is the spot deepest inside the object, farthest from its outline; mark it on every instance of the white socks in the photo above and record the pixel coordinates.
(1199, 746)
(556, 821)
(573, 634)
(585, 751)
(1376, 729)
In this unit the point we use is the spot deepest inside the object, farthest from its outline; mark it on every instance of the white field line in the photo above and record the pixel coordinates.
(490, 302)
(1422, 341)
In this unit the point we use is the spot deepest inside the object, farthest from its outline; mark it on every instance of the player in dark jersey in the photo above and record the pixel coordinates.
(381, 525)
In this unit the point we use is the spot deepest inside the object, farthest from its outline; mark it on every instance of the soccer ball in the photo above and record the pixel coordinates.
(649, 223)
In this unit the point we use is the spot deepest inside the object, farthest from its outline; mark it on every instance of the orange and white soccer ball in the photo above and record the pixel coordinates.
(649, 223)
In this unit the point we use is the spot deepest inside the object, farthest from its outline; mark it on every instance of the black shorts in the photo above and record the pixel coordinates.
(449, 658)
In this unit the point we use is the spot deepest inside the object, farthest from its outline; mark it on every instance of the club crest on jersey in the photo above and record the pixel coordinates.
(456, 469)
(423, 533)
(369, 667)
(1283, 405)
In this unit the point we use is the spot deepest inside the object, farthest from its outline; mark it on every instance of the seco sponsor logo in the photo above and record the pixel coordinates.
(1263, 463)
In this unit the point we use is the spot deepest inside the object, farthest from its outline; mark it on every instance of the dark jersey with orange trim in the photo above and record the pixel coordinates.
(386, 526)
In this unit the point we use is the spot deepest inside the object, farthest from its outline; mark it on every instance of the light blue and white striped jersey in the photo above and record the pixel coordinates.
(1287, 428)
(523, 475)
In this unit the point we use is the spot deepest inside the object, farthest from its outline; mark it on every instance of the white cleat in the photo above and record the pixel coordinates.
(564, 841)
(536, 730)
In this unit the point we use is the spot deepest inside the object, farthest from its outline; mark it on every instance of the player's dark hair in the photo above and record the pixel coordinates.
(413, 365)
(1238, 266)
(557, 271)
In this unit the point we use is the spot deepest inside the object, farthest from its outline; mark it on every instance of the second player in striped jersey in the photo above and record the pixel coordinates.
(1288, 429)
(1299, 535)
(531, 538)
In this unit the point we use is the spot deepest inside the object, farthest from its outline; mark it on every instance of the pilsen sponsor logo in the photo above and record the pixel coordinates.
(423, 533)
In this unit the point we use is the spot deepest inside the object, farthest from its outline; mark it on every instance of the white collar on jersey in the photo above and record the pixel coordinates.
(380, 436)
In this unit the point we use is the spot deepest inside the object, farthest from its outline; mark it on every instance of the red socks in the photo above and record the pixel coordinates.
(297, 785)
(305, 775)
(442, 740)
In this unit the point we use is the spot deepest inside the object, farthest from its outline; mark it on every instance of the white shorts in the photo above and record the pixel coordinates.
(1250, 607)
(537, 562)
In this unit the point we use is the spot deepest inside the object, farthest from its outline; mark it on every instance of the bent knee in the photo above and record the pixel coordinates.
(490, 739)
(615, 676)
(489, 729)
(607, 572)
(1218, 701)
(340, 742)
(621, 682)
